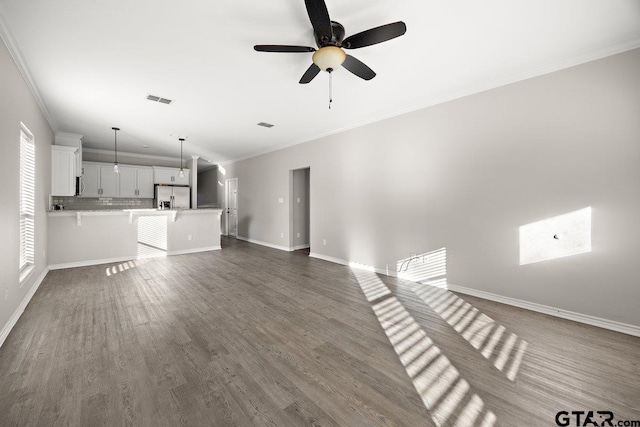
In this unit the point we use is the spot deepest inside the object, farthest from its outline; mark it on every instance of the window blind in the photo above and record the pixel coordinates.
(27, 198)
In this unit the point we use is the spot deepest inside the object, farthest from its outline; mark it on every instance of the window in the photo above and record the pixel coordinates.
(27, 198)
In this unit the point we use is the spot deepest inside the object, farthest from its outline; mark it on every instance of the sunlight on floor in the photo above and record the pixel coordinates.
(120, 268)
(503, 349)
(152, 236)
(443, 391)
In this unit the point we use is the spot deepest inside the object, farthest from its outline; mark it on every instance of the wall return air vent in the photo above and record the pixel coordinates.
(159, 99)
(265, 125)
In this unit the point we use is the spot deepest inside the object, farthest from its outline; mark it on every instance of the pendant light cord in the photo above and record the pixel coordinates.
(115, 140)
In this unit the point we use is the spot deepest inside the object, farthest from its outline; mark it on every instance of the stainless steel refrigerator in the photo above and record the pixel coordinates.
(172, 197)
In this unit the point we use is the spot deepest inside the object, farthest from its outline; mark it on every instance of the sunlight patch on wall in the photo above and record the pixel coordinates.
(443, 391)
(429, 267)
(556, 237)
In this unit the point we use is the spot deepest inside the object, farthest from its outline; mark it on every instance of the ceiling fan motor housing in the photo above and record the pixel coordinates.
(337, 36)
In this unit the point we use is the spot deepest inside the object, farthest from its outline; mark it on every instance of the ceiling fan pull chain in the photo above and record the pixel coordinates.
(330, 89)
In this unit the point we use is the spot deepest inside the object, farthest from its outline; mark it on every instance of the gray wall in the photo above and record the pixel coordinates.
(208, 187)
(466, 175)
(18, 105)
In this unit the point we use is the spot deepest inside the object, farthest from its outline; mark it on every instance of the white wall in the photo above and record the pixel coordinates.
(466, 175)
(18, 105)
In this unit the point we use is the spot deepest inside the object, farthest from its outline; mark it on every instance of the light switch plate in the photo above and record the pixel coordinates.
(280, 200)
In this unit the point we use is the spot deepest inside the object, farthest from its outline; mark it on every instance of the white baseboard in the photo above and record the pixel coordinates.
(90, 262)
(552, 311)
(328, 258)
(352, 264)
(193, 251)
(269, 245)
(297, 248)
(25, 301)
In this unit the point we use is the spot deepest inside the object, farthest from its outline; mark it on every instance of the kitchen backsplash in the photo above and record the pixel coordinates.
(106, 203)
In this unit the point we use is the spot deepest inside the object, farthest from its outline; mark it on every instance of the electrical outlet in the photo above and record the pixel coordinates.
(189, 237)
(324, 242)
(280, 200)
(298, 199)
(6, 293)
(298, 235)
(44, 253)
(282, 235)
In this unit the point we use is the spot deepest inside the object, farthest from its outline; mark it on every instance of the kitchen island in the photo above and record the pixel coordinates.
(80, 238)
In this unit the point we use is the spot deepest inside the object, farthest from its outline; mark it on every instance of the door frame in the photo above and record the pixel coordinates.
(292, 201)
(226, 202)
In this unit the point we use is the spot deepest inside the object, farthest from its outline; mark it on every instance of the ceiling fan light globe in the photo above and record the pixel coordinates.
(329, 57)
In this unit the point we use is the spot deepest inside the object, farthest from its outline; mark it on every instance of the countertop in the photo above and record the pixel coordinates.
(97, 212)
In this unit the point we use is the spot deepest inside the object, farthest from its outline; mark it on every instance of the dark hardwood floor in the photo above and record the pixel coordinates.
(255, 336)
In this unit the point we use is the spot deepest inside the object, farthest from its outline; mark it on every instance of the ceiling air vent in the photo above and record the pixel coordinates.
(159, 99)
(265, 125)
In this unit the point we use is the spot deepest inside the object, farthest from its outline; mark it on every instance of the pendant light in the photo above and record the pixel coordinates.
(115, 163)
(181, 173)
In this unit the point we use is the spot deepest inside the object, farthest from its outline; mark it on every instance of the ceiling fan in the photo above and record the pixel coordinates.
(330, 40)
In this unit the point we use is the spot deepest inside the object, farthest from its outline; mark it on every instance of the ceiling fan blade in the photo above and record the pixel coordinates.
(319, 16)
(375, 35)
(311, 72)
(282, 48)
(358, 68)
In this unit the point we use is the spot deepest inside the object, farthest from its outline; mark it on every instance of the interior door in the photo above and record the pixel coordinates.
(232, 207)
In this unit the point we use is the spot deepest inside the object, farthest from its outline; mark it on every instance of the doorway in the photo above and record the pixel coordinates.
(232, 207)
(299, 209)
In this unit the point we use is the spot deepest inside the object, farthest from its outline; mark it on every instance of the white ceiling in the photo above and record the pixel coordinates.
(94, 62)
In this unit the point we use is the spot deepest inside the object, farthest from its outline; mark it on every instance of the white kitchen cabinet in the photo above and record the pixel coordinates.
(136, 182)
(63, 170)
(109, 182)
(72, 140)
(90, 180)
(170, 176)
(128, 181)
(100, 180)
(145, 183)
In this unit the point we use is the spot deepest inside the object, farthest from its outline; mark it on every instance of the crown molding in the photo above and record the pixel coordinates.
(550, 67)
(6, 34)
(69, 135)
